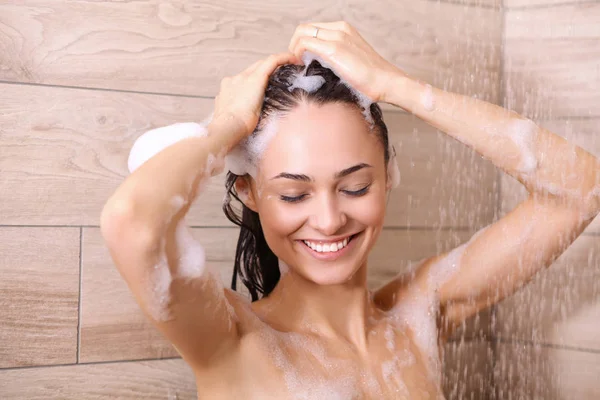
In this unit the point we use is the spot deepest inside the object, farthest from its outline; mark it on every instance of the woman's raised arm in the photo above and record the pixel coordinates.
(144, 228)
(143, 224)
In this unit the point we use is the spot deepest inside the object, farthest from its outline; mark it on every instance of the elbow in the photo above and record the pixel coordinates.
(118, 225)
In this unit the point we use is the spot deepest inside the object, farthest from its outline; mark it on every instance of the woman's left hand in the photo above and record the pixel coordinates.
(340, 44)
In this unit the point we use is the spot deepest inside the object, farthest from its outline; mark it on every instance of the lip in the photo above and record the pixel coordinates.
(341, 238)
(330, 256)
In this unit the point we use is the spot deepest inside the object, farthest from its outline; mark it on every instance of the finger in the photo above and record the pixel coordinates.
(268, 65)
(327, 31)
(320, 47)
(252, 67)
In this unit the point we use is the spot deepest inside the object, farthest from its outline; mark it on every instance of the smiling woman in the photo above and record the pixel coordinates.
(311, 167)
(341, 162)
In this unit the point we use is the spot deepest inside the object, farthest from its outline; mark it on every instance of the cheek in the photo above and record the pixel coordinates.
(369, 210)
(279, 221)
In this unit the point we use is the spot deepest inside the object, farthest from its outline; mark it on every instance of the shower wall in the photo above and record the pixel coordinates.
(81, 80)
(548, 334)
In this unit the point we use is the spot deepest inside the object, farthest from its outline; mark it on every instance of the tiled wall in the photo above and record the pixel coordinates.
(81, 80)
(548, 334)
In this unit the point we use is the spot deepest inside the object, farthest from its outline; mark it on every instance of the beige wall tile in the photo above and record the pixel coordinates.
(478, 3)
(188, 49)
(163, 379)
(538, 3)
(561, 305)
(443, 182)
(551, 59)
(468, 368)
(84, 158)
(522, 371)
(583, 133)
(39, 287)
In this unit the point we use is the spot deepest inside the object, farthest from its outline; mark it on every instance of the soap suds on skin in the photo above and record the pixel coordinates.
(427, 99)
(191, 262)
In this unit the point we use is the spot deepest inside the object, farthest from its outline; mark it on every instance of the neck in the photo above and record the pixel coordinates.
(339, 311)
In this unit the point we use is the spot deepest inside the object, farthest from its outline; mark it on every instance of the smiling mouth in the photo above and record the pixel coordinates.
(332, 247)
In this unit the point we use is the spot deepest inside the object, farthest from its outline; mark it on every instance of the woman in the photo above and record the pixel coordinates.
(313, 330)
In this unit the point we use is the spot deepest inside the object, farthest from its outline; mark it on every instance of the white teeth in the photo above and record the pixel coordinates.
(327, 248)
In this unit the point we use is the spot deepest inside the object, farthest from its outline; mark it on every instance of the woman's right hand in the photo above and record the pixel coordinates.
(240, 97)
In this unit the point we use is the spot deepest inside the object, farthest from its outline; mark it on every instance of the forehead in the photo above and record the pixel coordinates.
(321, 138)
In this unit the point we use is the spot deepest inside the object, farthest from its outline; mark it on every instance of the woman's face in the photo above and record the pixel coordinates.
(321, 185)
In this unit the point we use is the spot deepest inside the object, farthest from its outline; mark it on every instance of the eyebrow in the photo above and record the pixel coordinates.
(306, 178)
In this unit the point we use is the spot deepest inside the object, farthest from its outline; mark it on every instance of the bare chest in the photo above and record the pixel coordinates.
(280, 365)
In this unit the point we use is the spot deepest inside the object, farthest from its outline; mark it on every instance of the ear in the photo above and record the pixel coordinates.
(243, 187)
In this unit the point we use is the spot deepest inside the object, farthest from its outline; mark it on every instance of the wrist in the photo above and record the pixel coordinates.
(225, 132)
(404, 91)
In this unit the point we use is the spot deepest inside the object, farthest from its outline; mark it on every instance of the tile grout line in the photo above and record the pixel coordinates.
(87, 363)
(466, 5)
(465, 228)
(395, 110)
(552, 5)
(532, 343)
(79, 297)
(191, 96)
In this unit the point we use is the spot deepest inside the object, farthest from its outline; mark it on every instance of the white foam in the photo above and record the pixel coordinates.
(192, 257)
(427, 99)
(419, 312)
(155, 140)
(283, 267)
(523, 133)
(158, 295)
(243, 158)
(308, 83)
(363, 100)
(393, 171)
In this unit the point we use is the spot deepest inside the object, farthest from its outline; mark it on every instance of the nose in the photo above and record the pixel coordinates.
(327, 217)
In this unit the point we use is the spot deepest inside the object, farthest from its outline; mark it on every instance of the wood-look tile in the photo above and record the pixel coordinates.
(468, 368)
(583, 133)
(160, 379)
(83, 154)
(561, 306)
(551, 60)
(113, 326)
(522, 371)
(538, 3)
(39, 288)
(476, 3)
(189, 48)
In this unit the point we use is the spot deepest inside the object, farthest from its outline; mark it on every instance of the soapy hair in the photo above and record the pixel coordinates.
(288, 86)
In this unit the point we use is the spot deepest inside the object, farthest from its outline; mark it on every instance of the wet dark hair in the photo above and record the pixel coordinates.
(256, 264)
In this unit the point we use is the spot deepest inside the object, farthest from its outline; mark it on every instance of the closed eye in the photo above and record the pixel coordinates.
(359, 192)
(292, 199)
(356, 193)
